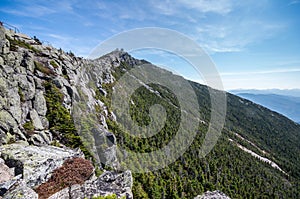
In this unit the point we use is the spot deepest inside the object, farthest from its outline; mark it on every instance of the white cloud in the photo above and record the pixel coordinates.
(30, 11)
(233, 36)
(59, 37)
(174, 7)
(204, 6)
(226, 31)
(164, 7)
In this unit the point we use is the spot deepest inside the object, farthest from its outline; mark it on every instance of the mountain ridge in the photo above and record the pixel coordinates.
(41, 87)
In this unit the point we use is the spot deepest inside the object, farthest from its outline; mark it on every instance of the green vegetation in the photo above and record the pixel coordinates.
(55, 143)
(268, 130)
(42, 68)
(14, 43)
(113, 196)
(21, 94)
(54, 64)
(28, 126)
(60, 120)
(226, 167)
(9, 139)
(105, 99)
(143, 100)
(98, 171)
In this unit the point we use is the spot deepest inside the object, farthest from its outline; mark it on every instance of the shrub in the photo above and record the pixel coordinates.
(9, 138)
(54, 64)
(113, 196)
(21, 94)
(40, 67)
(55, 143)
(60, 120)
(28, 126)
(73, 171)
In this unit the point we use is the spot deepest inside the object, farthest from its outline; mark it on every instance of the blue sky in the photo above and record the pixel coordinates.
(254, 44)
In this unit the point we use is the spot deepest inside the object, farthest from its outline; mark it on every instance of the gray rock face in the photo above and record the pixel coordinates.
(7, 121)
(35, 163)
(107, 184)
(41, 138)
(37, 123)
(22, 101)
(39, 103)
(20, 190)
(27, 85)
(9, 126)
(4, 44)
(15, 104)
(3, 87)
(6, 173)
(105, 143)
(212, 195)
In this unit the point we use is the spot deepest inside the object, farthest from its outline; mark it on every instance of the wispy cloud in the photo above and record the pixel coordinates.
(227, 33)
(214, 6)
(168, 8)
(40, 8)
(30, 11)
(236, 36)
(294, 2)
(60, 37)
(171, 8)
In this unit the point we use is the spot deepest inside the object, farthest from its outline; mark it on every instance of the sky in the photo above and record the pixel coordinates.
(253, 44)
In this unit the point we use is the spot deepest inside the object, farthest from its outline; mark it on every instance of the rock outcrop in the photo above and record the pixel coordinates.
(34, 163)
(212, 195)
(107, 183)
(17, 189)
(26, 132)
(6, 173)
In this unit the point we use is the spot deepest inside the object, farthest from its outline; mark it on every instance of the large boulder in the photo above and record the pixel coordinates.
(39, 103)
(9, 130)
(35, 163)
(107, 184)
(36, 120)
(26, 83)
(7, 122)
(6, 173)
(15, 104)
(213, 195)
(105, 143)
(20, 190)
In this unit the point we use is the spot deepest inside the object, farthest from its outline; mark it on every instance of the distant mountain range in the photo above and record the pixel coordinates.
(285, 92)
(285, 102)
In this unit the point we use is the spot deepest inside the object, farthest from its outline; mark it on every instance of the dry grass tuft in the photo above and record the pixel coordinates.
(73, 171)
